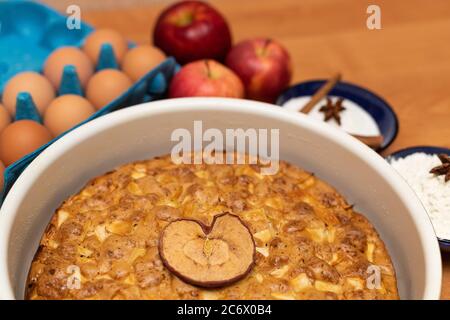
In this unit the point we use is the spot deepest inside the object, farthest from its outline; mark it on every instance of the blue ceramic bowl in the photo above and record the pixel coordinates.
(443, 243)
(378, 108)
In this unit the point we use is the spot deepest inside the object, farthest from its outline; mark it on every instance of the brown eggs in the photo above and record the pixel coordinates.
(62, 113)
(55, 63)
(39, 87)
(105, 86)
(140, 60)
(20, 138)
(5, 118)
(66, 112)
(96, 39)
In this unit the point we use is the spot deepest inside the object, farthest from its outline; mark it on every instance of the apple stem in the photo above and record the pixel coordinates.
(208, 69)
(266, 44)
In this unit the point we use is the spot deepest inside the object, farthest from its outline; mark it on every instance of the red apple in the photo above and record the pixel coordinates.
(206, 78)
(263, 65)
(192, 30)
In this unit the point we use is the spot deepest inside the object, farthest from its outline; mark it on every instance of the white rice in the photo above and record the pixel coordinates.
(432, 190)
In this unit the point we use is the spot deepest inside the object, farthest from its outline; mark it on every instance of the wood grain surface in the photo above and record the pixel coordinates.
(407, 61)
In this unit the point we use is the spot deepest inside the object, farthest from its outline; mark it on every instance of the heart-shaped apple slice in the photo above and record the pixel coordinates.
(208, 256)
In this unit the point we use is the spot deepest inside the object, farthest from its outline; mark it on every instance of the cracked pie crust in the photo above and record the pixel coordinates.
(158, 230)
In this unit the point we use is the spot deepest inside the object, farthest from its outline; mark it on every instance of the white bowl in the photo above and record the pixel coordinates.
(144, 131)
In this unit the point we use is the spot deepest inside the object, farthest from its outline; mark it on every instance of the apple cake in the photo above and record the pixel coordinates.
(158, 230)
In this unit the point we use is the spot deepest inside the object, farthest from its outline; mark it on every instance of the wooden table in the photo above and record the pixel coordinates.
(407, 61)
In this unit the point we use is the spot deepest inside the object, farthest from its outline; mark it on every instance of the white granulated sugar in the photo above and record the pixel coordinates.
(354, 119)
(432, 190)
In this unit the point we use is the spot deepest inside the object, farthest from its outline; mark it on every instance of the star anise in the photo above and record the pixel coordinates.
(332, 110)
(444, 168)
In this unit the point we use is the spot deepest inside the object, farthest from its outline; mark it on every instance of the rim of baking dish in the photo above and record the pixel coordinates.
(16, 195)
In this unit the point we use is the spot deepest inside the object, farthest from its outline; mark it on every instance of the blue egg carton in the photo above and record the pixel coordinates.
(29, 32)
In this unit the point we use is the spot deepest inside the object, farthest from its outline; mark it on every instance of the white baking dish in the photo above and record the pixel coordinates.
(144, 131)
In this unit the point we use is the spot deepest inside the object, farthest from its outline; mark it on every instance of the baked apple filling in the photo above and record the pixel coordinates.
(158, 230)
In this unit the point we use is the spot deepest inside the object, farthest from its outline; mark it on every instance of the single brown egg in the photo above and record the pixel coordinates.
(5, 118)
(140, 60)
(21, 138)
(38, 86)
(65, 112)
(105, 86)
(95, 40)
(58, 59)
(2, 177)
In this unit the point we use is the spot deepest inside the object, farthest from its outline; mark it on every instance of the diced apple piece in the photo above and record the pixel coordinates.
(280, 272)
(370, 251)
(101, 233)
(356, 283)
(282, 296)
(119, 227)
(134, 188)
(202, 174)
(274, 202)
(264, 235)
(259, 277)
(62, 217)
(85, 252)
(130, 280)
(136, 253)
(327, 286)
(318, 235)
(301, 282)
(137, 175)
(140, 168)
(209, 295)
(263, 251)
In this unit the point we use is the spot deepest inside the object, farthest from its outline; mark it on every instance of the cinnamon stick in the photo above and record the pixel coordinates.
(372, 141)
(321, 93)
